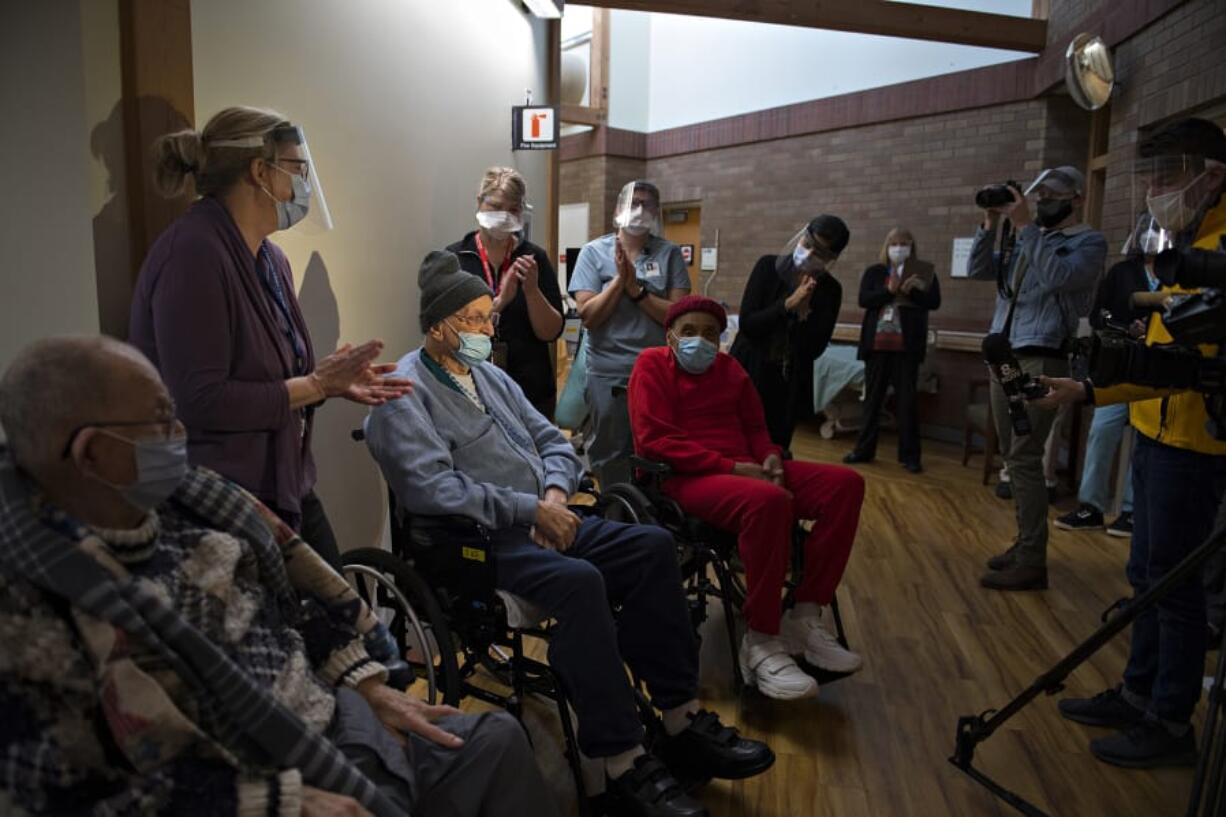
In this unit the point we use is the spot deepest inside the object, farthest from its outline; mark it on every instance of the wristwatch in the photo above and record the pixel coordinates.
(643, 293)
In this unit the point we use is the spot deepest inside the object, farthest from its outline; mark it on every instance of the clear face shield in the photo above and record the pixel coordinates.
(1147, 238)
(637, 210)
(289, 153)
(1176, 190)
(806, 254)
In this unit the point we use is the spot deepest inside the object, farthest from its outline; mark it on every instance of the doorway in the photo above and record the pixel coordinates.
(683, 226)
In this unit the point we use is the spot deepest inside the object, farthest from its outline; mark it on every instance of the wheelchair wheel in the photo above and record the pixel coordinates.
(402, 601)
(627, 503)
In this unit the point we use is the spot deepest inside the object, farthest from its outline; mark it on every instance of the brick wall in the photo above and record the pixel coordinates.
(598, 180)
(1171, 69)
(922, 173)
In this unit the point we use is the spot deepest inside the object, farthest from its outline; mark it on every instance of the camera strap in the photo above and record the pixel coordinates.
(1015, 287)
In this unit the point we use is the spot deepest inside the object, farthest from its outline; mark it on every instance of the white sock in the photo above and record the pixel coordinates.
(676, 719)
(806, 609)
(617, 765)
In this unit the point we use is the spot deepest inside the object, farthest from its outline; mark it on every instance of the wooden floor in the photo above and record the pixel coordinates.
(936, 646)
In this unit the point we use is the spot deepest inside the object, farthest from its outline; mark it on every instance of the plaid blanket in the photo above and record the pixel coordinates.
(254, 722)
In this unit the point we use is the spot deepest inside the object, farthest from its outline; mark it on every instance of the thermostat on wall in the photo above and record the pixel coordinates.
(710, 258)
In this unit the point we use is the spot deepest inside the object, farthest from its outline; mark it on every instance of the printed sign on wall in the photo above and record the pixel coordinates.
(534, 127)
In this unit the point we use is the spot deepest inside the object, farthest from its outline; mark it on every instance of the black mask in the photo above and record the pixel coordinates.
(1050, 212)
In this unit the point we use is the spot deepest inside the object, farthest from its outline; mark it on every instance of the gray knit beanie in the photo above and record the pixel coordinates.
(445, 288)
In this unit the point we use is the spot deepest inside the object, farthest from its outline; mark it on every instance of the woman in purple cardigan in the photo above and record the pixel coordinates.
(216, 312)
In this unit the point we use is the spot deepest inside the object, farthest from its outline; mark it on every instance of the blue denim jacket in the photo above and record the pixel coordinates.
(1062, 269)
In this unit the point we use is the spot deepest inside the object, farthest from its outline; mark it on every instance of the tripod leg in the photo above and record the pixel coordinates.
(1207, 785)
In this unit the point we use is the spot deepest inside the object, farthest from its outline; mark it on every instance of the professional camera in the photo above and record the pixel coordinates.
(1112, 356)
(996, 195)
(1192, 268)
(1193, 319)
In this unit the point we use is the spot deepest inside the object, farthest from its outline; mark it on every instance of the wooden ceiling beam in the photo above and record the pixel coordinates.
(890, 19)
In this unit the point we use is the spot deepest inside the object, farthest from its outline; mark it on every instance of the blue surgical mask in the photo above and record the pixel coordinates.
(695, 354)
(160, 468)
(295, 210)
(475, 347)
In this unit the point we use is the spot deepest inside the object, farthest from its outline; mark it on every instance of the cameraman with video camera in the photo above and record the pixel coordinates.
(1179, 465)
(1045, 276)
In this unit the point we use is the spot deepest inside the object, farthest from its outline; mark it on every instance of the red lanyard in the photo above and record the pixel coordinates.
(495, 285)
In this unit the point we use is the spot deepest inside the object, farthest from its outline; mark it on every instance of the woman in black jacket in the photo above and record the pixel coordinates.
(527, 299)
(897, 294)
(788, 311)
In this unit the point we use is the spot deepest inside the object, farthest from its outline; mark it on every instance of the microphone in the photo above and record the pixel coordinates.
(1017, 385)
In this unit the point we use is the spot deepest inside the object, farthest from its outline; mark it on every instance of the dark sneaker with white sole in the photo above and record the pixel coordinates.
(1108, 708)
(1148, 745)
(1122, 526)
(1087, 517)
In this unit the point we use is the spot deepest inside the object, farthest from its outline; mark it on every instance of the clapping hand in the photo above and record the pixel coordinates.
(350, 372)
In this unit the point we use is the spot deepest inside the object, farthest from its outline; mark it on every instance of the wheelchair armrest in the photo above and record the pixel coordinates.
(657, 469)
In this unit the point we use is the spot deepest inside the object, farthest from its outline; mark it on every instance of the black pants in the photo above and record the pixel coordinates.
(883, 369)
(634, 568)
(316, 530)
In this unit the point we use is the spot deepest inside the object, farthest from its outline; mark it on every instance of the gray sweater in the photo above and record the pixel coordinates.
(443, 456)
(1062, 268)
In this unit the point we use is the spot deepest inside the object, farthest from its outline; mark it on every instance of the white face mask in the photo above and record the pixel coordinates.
(637, 221)
(499, 223)
(898, 253)
(1170, 210)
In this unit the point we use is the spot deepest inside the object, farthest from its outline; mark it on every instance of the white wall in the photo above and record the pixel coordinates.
(671, 70)
(47, 275)
(404, 103)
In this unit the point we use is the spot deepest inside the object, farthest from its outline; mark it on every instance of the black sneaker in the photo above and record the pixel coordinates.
(1108, 708)
(1087, 517)
(913, 467)
(1122, 526)
(1004, 490)
(650, 790)
(1148, 745)
(707, 748)
(854, 457)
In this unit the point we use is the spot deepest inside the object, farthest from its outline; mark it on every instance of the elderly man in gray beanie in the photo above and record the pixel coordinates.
(468, 443)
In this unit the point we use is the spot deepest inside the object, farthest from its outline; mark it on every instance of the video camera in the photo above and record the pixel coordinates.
(1112, 356)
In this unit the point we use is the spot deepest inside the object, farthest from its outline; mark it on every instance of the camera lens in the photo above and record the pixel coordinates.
(994, 195)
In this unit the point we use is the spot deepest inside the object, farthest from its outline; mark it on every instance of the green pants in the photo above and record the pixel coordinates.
(1024, 458)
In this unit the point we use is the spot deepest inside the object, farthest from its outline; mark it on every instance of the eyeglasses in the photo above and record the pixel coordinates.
(477, 321)
(167, 428)
(301, 167)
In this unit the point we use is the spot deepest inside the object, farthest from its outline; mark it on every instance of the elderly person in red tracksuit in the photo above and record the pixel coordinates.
(695, 409)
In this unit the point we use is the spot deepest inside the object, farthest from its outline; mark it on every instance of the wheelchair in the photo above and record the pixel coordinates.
(706, 552)
(435, 592)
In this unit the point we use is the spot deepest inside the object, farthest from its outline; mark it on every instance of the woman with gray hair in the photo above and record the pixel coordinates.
(216, 312)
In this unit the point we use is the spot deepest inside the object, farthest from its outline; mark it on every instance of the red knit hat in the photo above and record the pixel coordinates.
(696, 303)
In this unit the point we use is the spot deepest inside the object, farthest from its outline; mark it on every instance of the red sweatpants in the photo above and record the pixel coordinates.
(763, 516)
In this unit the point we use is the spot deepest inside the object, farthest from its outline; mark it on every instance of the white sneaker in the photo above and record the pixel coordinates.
(806, 634)
(767, 666)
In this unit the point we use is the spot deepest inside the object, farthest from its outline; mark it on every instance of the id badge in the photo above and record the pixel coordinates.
(652, 274)
(887, 315)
